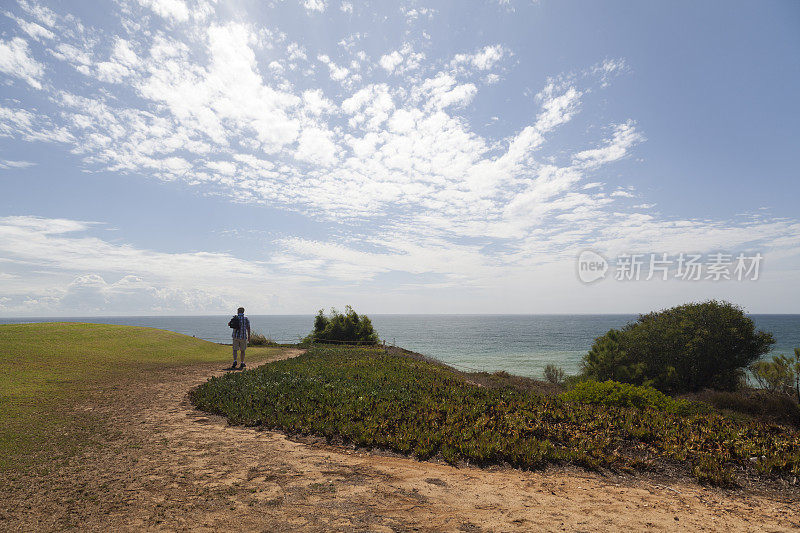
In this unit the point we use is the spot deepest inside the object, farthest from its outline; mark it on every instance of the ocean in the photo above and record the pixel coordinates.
(518, 344)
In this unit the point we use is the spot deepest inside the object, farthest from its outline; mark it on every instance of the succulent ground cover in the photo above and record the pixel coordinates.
(368, 398)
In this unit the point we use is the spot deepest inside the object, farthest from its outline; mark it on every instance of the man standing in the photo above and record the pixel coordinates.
(240, 335)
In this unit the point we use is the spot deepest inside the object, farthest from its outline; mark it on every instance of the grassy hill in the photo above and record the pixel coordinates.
(372, 399)
(47, 369)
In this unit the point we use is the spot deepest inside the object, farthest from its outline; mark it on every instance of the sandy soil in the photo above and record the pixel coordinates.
(169, 466)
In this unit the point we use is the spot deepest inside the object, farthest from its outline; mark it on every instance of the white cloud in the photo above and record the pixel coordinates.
(223, 167)
(15, 60)
(41, 13)
(91, 293)
(295, 52)
(390, 61)
(443, 91)
(226, 99)
(625, 136)
(112, 72)
(412, 14)
(484, 59)
(35, 31)
(65, 270)
(61, 243)
(315, 5)
(346, 7)
(316, 146)
(369, 106)
(338, 73)
(608, 68)
(31, 126)
(403, 60)
(5, 163)
(347, 263)
(557, 108)
(73, 54)
(316, 103)
(124, 54)
(169, 9)
(487, 57)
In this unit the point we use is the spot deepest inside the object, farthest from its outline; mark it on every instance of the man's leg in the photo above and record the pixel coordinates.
(242, 348)
(234, 352)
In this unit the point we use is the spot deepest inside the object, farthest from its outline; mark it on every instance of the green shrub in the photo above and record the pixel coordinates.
(685, 348)
(609, 359)
(554, 374)
(257, 339)
(764, 405)
(347, 327)
(616, 394)
(707, 469)
(502, 379)
(782, 374)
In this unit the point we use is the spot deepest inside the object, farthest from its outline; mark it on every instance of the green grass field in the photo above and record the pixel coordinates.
(45, 369)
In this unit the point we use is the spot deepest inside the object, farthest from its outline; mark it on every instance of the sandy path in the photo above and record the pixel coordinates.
(172, 467)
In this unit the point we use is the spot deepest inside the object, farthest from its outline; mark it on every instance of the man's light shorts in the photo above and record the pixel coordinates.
(239, 344)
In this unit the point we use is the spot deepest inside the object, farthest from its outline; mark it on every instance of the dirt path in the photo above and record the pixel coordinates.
(171, 467)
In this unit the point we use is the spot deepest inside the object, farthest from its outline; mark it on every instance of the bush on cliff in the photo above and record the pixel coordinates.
(685, 348)
(338, 328)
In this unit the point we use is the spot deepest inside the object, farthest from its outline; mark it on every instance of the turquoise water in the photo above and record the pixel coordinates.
(519, 344)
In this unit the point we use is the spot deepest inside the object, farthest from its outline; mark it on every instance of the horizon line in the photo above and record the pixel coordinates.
(22, 317)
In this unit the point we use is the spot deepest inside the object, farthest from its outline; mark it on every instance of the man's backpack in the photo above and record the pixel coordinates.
(234, 322)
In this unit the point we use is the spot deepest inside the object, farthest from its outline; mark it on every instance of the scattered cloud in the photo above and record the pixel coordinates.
(16, 60)
(443, 91)
(42, 14)
(175, 10)
(414, 13)
(6, 163)
(32, 29)
(609, 68)
(82, 264)
(615, 148)
(381, 150)
(483, 59)
(401, 61)
(317, 6)
(337, 72)
(390, 61)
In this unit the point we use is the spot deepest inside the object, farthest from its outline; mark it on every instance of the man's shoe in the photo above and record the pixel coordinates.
(233, 366)
(243, 366)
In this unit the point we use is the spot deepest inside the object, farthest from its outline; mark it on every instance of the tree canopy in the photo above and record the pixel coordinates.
(684, 348)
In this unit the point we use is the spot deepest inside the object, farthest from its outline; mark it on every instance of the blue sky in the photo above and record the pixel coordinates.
(190, 156)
